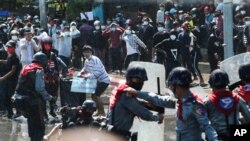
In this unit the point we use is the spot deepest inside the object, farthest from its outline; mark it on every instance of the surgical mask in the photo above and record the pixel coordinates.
(162, 9)
(113, 28)
(14, 37)
(108, 22)
(97, 27)
(128, 32)
(103, 27)
(243, 12)
(247, 23)
(73, 28)
(5, 30)
(137, 86)
(160, 29)
(172, 37)
(36, 20)
(180, 17)
(145, 23)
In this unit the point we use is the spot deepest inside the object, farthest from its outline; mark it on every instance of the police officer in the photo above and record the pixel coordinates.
(31, 83)
(52, 69)
(223, 106)
(244, 89)
(123, 108)
(82, 116)
(191, 119)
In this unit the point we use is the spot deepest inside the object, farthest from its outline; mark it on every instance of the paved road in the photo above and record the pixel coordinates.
(17, 130)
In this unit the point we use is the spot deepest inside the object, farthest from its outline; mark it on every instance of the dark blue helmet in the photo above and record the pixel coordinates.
(137, 72)
(244, 72)
(89, 104)
(218, 79)
(180, 77)
(41, 58)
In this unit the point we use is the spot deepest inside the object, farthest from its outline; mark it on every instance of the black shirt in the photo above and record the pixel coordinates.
(13, 61)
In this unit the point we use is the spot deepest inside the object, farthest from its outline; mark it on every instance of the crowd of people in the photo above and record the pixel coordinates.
(33, 59)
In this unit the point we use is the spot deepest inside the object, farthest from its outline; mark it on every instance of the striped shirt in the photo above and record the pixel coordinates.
(133, 43)
(94, 66)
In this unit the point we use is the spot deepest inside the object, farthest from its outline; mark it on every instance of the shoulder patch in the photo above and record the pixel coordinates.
(199, 109)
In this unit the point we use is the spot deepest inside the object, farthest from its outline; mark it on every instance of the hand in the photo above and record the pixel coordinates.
(131, 91)
(161, 118)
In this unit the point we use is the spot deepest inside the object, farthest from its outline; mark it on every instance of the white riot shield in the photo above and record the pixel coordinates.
(232, 64)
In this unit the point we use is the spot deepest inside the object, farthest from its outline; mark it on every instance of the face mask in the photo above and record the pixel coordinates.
(36, 20)
(145, 23)
(73, 28)
(108, 22)
(103, 27)
(97, 27)
(172, 37)
(243, 12)
(128, 32)
(180, 17)
(160, 29)
(47, 47)
(247, 23)
(11, 50)
(137, 86)
(113, 28)
(5, 30)
(14, 37)
(161, 8)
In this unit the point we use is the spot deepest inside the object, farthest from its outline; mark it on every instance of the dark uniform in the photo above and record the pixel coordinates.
(214, 51)
(157, 38)
(223, 106)
(123, 108)
(54, 65)
(171, 49)
(31, 84)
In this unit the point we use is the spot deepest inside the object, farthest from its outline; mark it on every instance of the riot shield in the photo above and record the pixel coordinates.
(232, 64)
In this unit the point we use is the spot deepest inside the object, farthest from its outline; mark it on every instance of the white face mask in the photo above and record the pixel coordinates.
(97, 27)
(5, 30)
(160, 29)
(145, 23)
(36, 20)
(113, 28)
(243, 12)
(103, 27)
(14, 37)
(128, 32)
(172, 37)
(73, 28)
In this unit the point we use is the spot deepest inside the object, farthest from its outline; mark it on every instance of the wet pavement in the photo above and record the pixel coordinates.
(16, 130)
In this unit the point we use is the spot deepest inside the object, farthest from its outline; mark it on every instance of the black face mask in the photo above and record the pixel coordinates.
(137, 86)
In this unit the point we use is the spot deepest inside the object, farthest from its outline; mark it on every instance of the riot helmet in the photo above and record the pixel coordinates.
(218, 79)
(137, 72)
(179, 76)
(46, 43)
(41, 58)
(244, 72)
(89, 104)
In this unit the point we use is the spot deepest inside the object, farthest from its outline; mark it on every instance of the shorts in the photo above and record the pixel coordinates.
(100, 88)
